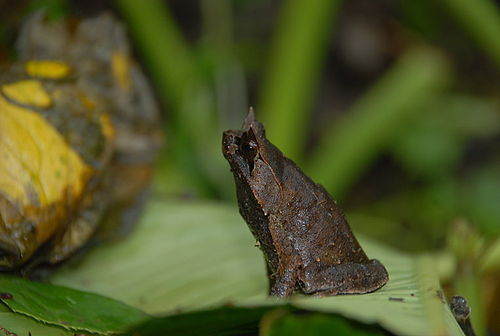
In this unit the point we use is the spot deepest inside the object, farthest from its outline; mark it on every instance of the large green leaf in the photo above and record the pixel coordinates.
(284, 323)
(67, 308)
(183, 256)
(223, 321)
(12, 324)
(189, 256)
(267, 321)
(412, 303)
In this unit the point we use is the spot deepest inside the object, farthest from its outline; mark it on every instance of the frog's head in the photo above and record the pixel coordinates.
(240, 147)
(247, 148)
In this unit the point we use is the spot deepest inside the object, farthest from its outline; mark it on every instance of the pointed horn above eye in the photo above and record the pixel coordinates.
(249, 119)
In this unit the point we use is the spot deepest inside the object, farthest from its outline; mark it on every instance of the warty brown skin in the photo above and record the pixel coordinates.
(303, 234)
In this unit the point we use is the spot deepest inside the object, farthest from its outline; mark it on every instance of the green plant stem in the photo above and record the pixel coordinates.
(192, 135)
(480, 19)
(375, 119)
(490, 260)
(298, 49)
(227, 72)
(162, 46)
(468, 285)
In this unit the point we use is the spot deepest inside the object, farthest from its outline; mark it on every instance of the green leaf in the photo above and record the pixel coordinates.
(191, 256)
(436, 141)
(411, 303)
(182, 256)
(68, 308)
(53, 9)
(12, 324)
(281, 322)
(221, 321)
(248, 321)
(479, 199)
(490, 261)
(4, 308)
(481, 21)
(374, 121)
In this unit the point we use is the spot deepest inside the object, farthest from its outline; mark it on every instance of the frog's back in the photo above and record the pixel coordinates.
(317, 225)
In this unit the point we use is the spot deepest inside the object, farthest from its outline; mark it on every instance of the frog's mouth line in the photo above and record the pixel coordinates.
(239, 153)
(231, 142)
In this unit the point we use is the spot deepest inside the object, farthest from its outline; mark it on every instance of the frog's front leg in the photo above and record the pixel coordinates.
(347, 278)
(283, 282)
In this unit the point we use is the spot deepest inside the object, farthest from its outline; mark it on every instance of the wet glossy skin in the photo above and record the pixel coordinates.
(304, 236)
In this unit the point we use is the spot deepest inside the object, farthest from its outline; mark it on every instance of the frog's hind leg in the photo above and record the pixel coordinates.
(347, 278)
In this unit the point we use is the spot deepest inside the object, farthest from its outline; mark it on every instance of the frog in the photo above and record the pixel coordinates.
(304, 235)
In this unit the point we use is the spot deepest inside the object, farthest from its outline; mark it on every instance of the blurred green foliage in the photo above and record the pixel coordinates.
(407, 132)
(430, 110)
(422, 111)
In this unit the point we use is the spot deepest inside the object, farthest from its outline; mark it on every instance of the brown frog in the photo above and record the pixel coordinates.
(303, 234)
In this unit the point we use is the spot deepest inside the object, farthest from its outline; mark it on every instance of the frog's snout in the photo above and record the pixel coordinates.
(230, 142)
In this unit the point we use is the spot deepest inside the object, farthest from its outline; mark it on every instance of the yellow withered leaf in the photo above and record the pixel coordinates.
(77, 119)
(47, 69)
(121, 64)
(40, 175)
(29, 92)
(107, 127)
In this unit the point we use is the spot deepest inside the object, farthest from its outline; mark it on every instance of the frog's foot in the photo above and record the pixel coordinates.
(348, 278)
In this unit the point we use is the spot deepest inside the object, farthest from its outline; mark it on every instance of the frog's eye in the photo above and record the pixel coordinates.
(249, 148)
